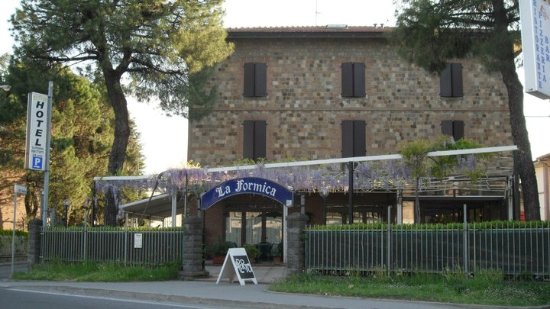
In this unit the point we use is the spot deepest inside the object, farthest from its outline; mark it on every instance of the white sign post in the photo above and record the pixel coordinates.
(17, 189)
(37, 150)
(241, 267)
(535, 41)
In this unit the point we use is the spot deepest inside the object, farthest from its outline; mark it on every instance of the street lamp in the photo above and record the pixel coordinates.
(22, 190)
(66, 211)
(324, 194)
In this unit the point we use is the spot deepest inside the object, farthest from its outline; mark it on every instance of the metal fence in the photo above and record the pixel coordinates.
(148, 247)
(512, 248)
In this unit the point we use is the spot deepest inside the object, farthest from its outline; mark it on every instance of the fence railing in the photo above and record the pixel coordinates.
(143, 247)
(513, 248)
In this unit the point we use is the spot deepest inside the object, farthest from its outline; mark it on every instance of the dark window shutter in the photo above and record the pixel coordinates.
(347, 79)
(359, 144)
(249, 79)
(248, 139)
(359, 80)
(458, 129)
(447, 127)
(347, 138)
(456, 74)
(260, 89)
(259, 139)
(445, 82)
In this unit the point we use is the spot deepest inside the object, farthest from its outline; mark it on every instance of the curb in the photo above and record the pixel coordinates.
(230, 304)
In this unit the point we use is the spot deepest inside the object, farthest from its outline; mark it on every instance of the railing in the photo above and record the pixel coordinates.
(510, 247)
(143, 247)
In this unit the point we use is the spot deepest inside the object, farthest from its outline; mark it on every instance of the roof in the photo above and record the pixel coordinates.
(545, 157)
(159, 206)
(310, 32)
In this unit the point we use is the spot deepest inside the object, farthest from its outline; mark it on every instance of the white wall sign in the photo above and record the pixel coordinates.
(535, 36)
(38, 111)
(241, 267)
(20, 189)
(138, 241)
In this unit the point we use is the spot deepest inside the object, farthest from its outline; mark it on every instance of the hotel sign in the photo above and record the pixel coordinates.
(38, 111)
(248, 185)
(535, 37)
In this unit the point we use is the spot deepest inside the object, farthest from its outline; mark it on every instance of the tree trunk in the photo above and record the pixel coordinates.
(523, 162)
(120, 143)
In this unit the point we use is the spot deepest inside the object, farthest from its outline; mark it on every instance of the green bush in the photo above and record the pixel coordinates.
(17, 233)
(220, 248)
(6, 242)
(252, 251)
(488, 225)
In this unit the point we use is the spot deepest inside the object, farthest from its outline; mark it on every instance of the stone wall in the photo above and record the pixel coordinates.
(304, 108)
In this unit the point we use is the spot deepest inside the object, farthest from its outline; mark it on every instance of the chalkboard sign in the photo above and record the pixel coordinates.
(241, 267)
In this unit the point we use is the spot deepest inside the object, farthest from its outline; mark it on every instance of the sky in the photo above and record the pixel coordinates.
(164, 139)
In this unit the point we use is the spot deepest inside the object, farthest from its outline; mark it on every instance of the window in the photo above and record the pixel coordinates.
(255, 80)
(334, 218)
(454, 128)
(353, 80)
(253, 227)
(353, 138)
(450, 82)
(254, 144)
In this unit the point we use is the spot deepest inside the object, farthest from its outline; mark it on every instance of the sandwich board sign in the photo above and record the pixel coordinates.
(240, 266)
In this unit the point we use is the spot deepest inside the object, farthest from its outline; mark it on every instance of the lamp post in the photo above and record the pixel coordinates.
(17, 189)
(66, 212)
(324, 194)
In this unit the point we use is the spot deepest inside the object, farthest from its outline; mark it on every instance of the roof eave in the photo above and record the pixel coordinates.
(236, 35)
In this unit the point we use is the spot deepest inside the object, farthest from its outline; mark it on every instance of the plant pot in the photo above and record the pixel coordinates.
(218, 259)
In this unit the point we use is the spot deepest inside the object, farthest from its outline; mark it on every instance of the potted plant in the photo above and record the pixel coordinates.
(252, 251)
(277, 253)
(218, 251)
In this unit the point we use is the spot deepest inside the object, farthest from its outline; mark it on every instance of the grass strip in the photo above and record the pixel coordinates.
(483, 289)
(107, 272)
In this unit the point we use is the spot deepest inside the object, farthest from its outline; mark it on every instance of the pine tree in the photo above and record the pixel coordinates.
(82, 135)
(158, 45)
(430, 32)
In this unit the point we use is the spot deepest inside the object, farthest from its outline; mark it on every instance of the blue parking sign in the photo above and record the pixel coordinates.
(37, 162)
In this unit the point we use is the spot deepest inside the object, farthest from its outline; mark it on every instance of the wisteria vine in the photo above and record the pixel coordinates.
(387, 175)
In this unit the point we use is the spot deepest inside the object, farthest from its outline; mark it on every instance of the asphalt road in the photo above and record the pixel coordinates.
(24, 299)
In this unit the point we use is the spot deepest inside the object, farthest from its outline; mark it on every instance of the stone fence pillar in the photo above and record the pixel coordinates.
(296, 223)
(192, 266)
(35, 237)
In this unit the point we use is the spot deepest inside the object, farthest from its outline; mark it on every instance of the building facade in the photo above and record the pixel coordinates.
(319, 92)
(542, 170)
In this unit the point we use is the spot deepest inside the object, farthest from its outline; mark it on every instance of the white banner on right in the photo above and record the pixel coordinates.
(535, 37)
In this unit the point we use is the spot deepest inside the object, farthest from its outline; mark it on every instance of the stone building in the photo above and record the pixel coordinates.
(328, 92)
